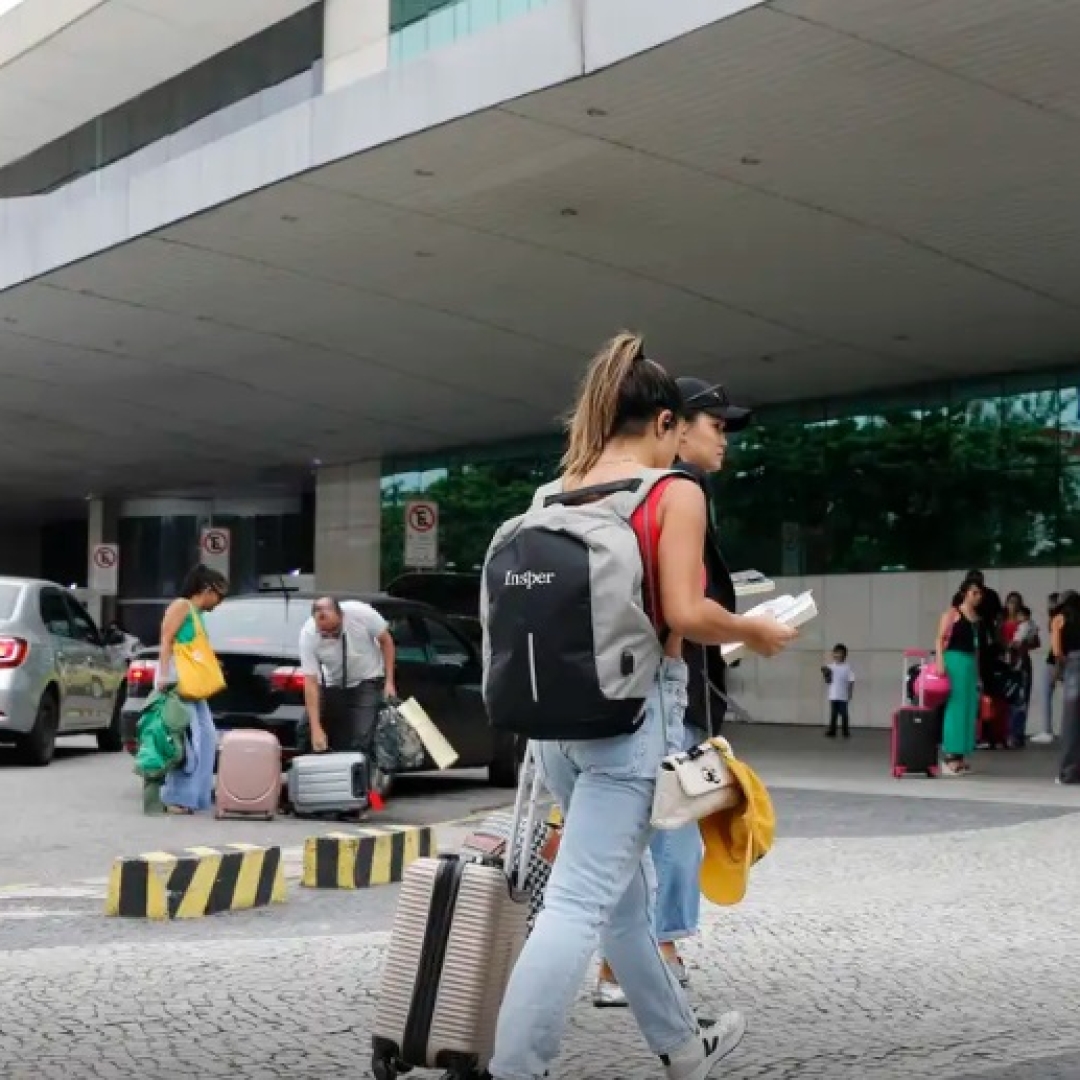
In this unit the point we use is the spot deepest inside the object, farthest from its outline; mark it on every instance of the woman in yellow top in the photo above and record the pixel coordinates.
(190, 786)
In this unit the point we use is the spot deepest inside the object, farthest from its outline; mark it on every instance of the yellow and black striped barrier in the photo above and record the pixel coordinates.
(195, 882)
(360, 858)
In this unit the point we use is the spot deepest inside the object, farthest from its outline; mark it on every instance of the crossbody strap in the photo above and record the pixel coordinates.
(344, 663)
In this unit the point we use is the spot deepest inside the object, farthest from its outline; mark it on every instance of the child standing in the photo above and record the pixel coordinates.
(841, 682)
(1024, 638)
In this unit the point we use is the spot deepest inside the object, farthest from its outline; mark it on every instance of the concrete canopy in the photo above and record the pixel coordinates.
(811, 197)
(65, 62)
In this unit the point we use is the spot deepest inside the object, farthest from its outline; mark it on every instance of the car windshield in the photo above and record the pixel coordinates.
(258, 624)
(9, 598)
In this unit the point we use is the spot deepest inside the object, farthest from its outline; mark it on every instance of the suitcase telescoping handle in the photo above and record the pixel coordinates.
(909, 655)
(525, 802)
(359, 779)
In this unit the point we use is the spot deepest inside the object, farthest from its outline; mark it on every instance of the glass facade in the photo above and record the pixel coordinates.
(935, 478)
(419, 26)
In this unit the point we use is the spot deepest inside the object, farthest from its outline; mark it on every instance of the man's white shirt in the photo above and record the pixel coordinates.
(321, 656)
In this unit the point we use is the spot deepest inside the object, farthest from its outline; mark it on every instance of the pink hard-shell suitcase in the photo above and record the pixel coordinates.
(249, 775)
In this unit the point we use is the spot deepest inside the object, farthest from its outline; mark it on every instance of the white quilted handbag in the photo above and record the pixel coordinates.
(694, 784)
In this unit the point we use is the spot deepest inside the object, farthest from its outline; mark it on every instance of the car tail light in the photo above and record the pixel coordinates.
(287, 680)
(141, 674)
(13, 651)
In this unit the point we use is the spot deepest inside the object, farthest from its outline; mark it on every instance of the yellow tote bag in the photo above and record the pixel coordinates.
(198, 672)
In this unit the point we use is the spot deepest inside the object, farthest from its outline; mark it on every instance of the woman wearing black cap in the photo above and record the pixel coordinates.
(711, 417)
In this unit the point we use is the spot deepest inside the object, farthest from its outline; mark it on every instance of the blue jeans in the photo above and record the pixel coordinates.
(191, 785)
(600, 893)
(1050, 685)
(677, 854)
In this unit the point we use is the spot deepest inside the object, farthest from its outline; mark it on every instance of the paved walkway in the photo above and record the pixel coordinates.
(900, 929)
(883, 937)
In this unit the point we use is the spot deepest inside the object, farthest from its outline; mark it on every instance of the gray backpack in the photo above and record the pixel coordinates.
(570, 651)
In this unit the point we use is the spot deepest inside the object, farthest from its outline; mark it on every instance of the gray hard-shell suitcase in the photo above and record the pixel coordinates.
(330, 784)
(460, 924)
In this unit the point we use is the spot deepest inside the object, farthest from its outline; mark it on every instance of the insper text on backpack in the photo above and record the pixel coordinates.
(570, 651)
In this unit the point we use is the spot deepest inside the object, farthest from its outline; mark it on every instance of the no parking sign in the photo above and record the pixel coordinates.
(215, 548)
(422, 535)
(105, 569)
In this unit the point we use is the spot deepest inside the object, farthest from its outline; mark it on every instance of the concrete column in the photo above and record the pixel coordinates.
(348, 527)
(356, 41)
(102, 527)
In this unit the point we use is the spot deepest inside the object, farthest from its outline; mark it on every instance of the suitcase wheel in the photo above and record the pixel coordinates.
(932, 772)
(384, 1067)
(898, 772)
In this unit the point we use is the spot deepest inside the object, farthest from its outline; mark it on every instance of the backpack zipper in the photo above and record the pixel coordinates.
(532, 669)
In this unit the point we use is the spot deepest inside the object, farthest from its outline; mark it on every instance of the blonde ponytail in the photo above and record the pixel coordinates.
(592, 421)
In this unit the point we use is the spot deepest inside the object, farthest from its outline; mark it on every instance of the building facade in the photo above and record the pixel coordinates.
(262, 262)
(879, 504)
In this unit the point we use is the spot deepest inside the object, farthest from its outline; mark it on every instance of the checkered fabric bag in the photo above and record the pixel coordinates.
(491, 836)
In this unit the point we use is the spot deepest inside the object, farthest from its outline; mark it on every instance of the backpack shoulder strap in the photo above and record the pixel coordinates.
(544, 492)
(623, 496)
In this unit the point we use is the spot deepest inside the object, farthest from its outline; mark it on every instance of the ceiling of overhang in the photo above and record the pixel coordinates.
(799, 203)
(62, 77)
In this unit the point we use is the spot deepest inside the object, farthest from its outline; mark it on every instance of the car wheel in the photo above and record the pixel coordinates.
(108, 739)
(39, 746)
(505, 766)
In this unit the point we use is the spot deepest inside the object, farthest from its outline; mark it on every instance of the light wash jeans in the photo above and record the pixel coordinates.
(191, 785)
(600, 893)
(677, 854)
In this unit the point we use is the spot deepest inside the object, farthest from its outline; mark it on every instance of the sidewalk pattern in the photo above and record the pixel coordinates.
(941, 957)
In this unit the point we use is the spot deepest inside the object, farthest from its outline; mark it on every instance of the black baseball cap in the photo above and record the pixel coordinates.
(700, 396)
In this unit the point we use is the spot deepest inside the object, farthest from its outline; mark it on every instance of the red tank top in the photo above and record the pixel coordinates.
(647, 529)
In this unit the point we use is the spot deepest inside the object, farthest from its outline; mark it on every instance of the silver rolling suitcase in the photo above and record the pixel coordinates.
(329, 785)
(461, 922)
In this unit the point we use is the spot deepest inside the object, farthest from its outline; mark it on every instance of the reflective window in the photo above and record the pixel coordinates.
(419, 26)
(54, 613)
(82, 626)
(969, 474)
(446, 646)
(408, 641)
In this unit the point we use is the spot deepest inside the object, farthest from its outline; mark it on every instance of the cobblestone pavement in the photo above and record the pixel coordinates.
(947, 956)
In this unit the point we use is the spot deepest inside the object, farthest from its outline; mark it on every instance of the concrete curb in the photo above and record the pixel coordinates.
(195, 882)
(364, 857)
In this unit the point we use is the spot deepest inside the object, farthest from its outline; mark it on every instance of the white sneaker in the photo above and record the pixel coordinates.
(609, 995)
(696, 1059)
(1042, 739)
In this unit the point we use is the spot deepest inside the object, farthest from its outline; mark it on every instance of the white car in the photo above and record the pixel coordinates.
(57, 675)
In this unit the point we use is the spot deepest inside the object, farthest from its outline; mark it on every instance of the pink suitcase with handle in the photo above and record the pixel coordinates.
(249, 775)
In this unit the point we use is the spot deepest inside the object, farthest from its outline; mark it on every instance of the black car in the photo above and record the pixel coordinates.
(456, 595)
(257, 639)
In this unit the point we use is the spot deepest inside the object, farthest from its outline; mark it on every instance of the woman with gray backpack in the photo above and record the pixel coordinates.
(586, 601)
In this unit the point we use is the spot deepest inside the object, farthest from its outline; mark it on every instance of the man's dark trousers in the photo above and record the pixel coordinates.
(349, 715)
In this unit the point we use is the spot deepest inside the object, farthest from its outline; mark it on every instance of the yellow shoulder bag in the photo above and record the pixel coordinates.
(198, 672)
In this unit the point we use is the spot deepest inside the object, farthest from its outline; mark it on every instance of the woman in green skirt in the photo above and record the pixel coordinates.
(958, 651)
